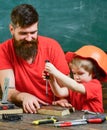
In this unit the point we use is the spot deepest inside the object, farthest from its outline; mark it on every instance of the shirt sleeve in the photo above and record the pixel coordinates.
(93, 89)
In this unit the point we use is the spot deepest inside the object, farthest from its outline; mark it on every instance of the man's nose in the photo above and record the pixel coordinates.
(28, 37)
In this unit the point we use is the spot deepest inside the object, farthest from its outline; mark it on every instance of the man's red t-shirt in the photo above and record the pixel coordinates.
(28, 77)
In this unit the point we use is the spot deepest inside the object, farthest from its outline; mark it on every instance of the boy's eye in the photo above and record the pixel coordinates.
(80, 73)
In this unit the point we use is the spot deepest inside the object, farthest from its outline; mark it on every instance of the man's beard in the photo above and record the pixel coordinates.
(25, 49)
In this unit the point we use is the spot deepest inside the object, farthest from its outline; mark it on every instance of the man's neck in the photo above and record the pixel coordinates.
(30, 60)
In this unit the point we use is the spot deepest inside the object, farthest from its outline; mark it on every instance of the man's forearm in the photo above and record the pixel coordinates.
(14, 95)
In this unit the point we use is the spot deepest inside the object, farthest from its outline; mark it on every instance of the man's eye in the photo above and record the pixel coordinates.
(22, 33)
(33, 32)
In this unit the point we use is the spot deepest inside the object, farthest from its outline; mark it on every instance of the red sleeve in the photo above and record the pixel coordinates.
(93, 89)
(6, 55)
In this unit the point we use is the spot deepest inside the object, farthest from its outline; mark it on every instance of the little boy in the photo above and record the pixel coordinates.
(89, 66)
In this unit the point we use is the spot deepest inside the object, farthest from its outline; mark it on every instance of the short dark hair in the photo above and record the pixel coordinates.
(24, 15)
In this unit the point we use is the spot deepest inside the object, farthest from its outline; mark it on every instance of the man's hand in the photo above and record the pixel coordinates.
(63, 103)
(31, 103)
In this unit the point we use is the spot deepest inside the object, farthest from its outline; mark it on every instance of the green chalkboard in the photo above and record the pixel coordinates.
(73, 23)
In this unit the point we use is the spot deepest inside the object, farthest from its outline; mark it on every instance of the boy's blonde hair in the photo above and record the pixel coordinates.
(89, 65)
(84, 63)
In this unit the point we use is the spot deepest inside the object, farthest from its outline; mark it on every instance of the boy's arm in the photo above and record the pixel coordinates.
(65, 80)
(57, 89)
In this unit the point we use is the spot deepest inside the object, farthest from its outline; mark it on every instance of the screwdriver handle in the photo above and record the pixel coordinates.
(96, 120)
(46, 73)
(44, 121)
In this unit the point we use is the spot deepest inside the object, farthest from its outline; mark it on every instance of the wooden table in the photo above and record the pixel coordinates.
(25, 123)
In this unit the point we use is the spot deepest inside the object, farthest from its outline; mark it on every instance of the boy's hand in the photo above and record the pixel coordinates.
(63, 103)
(50, 68)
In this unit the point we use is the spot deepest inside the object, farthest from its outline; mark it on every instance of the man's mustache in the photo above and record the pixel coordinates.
(25, 42)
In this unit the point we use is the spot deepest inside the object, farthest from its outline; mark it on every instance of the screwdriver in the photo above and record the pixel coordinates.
(99, 119)
(70, 123)
(45, 121)
(47, 77)
(96, 119)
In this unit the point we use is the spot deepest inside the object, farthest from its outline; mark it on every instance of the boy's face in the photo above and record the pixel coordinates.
(81, 75)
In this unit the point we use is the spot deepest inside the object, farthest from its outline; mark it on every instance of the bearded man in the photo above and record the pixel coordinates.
(22, 60)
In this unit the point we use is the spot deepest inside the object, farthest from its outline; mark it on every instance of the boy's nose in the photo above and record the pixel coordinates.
(77, 77)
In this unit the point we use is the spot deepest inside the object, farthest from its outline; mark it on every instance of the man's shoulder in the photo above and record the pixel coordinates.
(6, 45)
(48, 42)
(7, 41)
(46, 39)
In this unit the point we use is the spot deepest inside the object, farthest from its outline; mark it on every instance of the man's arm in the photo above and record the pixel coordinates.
(8, 73)
(12, 92)
(29, 102)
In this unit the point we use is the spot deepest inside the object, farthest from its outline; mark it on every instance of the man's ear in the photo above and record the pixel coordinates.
(11, 28)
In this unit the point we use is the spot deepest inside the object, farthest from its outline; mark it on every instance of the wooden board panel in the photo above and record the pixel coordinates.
(55, 110)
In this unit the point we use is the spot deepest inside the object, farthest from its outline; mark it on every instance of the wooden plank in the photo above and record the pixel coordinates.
(55, 110)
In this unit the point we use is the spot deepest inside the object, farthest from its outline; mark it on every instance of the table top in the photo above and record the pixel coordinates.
(26, 123)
